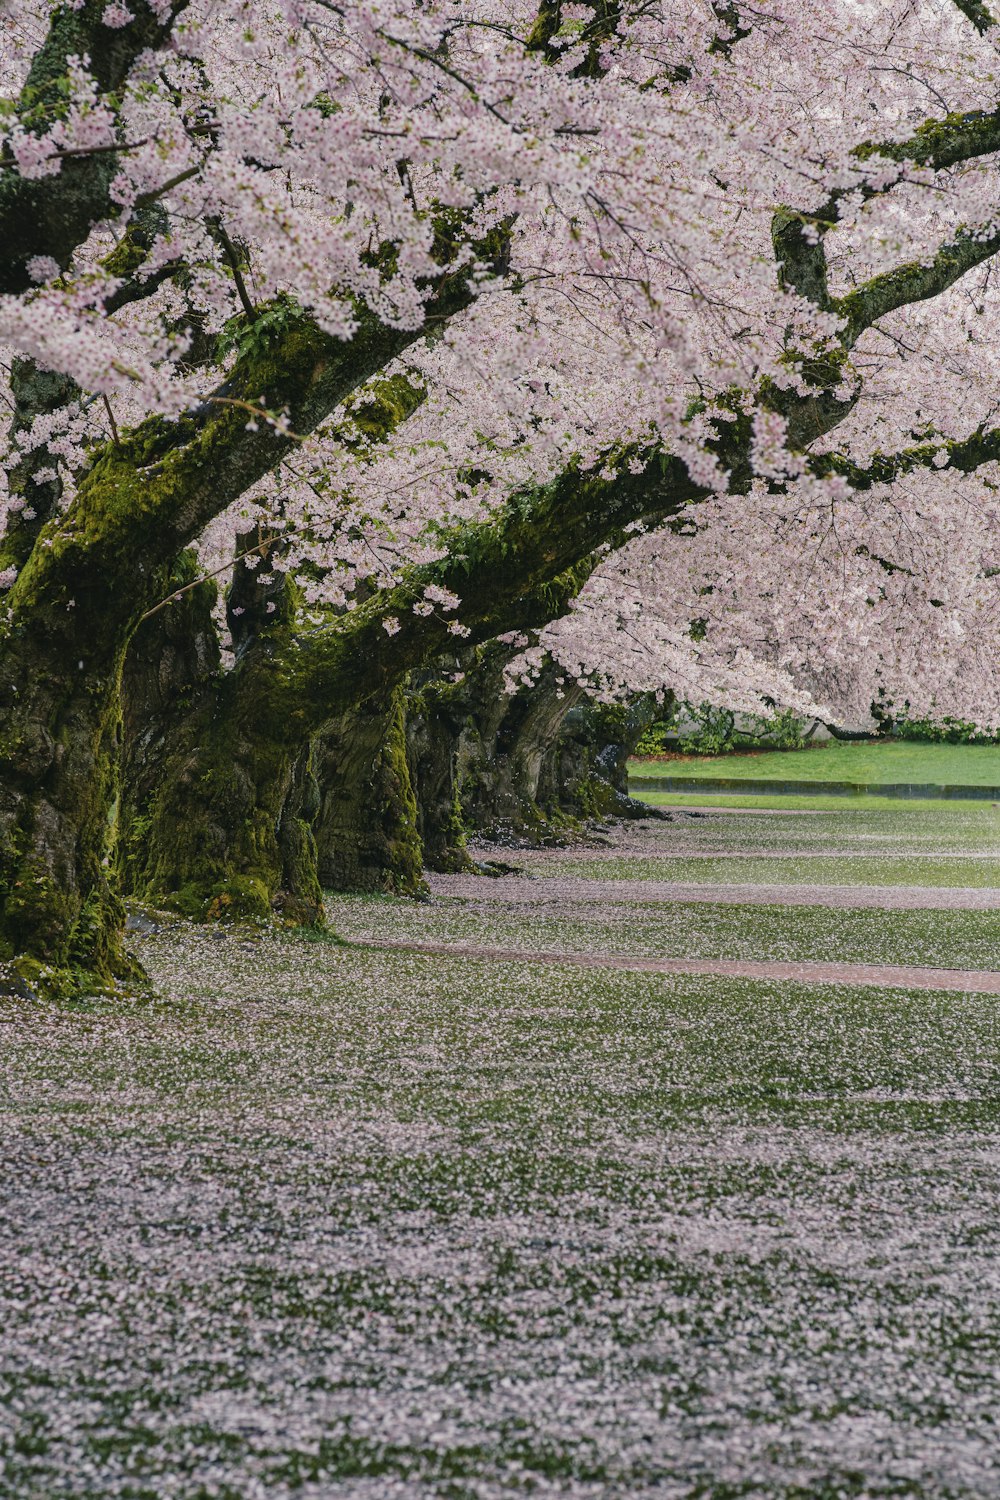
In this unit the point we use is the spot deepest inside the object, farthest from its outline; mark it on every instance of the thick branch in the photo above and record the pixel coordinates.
(801, 257)
(51, 216)
(961, 455)
(912, 283)
(517, 570)
(938, 144)
(521, 568)
(145, 499)
(978, 14)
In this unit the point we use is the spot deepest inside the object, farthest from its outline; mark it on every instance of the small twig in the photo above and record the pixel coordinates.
(257, 411)
(111, 418)
(205, 577)
(230, 253)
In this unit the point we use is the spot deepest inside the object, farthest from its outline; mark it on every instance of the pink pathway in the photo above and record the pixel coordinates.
(892, 976)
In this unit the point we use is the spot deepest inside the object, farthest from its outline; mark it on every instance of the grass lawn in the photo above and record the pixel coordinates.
(793, 800)
(326, 1223)
(675, 929)
(797, 869)
(867, 762)
(882, 825)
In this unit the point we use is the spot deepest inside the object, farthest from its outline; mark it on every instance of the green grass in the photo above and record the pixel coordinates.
(797, 869)
(795, 800)
(675, 929)
(867, 762)
(387, 1224)
(881, 826)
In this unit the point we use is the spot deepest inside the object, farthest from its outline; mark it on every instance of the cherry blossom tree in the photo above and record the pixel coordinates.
(671, 293)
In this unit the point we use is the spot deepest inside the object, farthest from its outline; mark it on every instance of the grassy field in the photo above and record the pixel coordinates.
(792, 800)
(866, 763)
(884, 826)
(677, 929)
(320, 1221)
(796, 869)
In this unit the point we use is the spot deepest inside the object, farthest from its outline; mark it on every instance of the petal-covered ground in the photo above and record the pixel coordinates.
(325, 1221)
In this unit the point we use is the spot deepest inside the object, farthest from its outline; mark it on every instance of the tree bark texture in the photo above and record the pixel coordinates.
(484, 759)
(597, 742)
(217, 808)
(60, 920)
(366, 831)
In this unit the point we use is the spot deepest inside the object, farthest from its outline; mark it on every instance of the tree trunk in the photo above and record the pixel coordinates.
(597, 743)
(60, 921)
(217, 807)
(510, 775)
(484, 758)
(60, 661)
(436, 720)
(79, 594)
(366, 831)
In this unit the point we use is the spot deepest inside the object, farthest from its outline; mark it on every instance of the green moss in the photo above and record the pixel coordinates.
(242, 898)
(383, 405)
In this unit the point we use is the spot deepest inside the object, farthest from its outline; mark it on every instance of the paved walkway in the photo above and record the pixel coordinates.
(884, 976)
(540, 890)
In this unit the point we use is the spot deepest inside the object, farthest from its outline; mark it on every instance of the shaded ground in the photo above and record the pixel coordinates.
(326, 1222)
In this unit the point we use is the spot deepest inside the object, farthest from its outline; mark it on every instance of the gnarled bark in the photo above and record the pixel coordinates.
(436, 721)
(366, 831)
(60, 920)
(484, 759)
(596, 745)
(508, 766)
(217, 809)
(523, 765)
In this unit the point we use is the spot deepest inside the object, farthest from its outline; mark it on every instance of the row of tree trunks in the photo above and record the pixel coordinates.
(74, 590)
(220, 816)
(515, 767)
(218, 809)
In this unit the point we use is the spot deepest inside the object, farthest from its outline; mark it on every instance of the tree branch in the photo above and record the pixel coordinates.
(977, 13)
(912, 283)
(142, 503)
(518, 569)
(797, 235)
(961, 455)
(51, 216)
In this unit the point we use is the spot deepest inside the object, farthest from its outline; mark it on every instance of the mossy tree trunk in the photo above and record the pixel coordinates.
(60, 666)
(60, 920)
(595, 747)
(342, 680)
(517, 765)
(217, 808)
(366, 831)
(437, 720)
(508, 766)
(483, 758)
(82, 587)
(243, 799)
